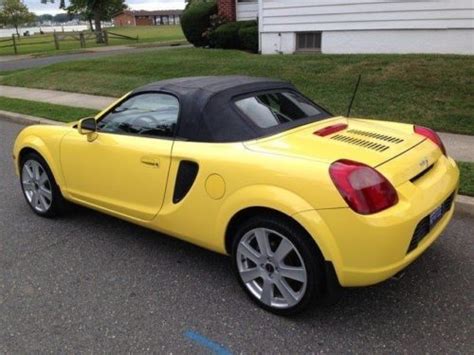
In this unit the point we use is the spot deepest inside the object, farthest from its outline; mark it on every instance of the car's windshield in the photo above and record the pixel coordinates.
(271, 109)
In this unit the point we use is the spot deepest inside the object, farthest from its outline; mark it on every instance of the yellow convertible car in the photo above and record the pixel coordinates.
(304, 202)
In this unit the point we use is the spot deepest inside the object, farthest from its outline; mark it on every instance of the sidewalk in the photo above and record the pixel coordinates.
(57, 97)
(460, 147)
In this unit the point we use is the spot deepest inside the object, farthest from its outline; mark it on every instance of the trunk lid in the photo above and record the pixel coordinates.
(367, 141)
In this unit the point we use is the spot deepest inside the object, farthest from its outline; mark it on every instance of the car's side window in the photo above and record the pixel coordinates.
(148, 114)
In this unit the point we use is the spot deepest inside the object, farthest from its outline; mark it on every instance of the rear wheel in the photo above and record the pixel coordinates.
(276, 264)
(39, 187)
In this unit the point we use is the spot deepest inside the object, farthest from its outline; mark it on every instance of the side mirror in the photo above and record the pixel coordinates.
(87, 125)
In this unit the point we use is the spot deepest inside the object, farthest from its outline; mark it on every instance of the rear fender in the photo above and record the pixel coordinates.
(283, 201)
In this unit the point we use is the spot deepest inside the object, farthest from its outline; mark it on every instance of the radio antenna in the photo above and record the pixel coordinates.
(353, 96)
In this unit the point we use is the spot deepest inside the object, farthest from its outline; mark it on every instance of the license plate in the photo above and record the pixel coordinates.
(436, 215)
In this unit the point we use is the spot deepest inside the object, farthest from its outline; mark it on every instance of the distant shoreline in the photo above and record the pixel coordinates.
(7, 32)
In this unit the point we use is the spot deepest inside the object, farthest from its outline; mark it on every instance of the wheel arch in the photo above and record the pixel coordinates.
(249, 212)
(330, 287)
(33, 144)
(250, 200)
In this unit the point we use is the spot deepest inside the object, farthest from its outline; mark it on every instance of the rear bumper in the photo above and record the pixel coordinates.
(369, 249)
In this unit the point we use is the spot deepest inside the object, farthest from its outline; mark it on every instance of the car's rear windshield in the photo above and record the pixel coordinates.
(272, 109)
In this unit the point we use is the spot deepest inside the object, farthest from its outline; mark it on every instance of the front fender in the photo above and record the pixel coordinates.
(45, 145)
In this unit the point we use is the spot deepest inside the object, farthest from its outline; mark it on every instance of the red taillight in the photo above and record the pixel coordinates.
(431, 135)
(364, 189)
(330, 129)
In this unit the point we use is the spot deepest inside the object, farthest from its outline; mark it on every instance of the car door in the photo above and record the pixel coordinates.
(125, 167)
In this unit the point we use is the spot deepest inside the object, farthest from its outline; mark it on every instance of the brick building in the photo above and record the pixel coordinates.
(147, 18)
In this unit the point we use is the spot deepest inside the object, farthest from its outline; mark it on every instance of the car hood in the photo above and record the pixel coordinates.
(367, 141)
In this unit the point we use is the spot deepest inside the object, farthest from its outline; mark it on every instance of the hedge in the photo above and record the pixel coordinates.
(236, 35)
(249, 38)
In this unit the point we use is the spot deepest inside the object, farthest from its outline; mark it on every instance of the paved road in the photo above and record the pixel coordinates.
(91, 282)
(25, 63)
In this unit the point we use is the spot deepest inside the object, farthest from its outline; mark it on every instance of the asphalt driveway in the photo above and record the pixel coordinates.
(89, 282)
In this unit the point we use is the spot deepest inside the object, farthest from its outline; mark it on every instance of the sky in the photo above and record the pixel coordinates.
(38, 8)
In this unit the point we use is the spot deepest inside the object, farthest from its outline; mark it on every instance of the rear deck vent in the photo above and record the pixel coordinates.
(360, 142)
(374, 135)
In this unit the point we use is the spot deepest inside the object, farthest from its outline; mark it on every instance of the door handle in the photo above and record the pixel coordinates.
(150, 161)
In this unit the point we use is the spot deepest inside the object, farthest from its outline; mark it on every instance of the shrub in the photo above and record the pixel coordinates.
(249, 38)
(196, 20)
(251, 23)
(226, 36)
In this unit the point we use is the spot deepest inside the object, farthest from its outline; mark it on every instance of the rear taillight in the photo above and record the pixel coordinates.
(330, 129)
(431, 135)
(364, 189)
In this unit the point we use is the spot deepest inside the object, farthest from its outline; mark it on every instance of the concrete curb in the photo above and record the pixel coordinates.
(464, 204)
(27, 120)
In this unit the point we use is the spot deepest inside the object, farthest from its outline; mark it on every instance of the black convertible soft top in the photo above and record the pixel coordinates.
(207, 112)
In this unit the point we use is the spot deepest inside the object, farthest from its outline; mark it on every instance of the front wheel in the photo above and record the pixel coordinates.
(277, 265)
(39, 187)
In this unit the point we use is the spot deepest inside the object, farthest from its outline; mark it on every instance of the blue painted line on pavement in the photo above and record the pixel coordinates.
(208, 343)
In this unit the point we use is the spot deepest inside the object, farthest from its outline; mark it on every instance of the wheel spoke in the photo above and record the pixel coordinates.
(286, 291)
(43, 203)
(263, 242)
(29, 171)
(35, 199)
(37, 173)
(267, 292)
(282, 251)
(45, 193)
(294, 273)
(249, 252)
(250, 274)
(43, 178)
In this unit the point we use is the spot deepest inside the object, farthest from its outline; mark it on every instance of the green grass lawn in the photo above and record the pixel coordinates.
(467, 178)
(432, 90)
(146, 35)
(39, 109)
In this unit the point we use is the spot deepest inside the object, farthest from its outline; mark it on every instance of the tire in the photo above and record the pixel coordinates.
(39, 186)
(265, 277)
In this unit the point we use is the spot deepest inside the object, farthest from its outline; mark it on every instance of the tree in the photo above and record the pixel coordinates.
(45, 18)
(15, 13)
(61, 18)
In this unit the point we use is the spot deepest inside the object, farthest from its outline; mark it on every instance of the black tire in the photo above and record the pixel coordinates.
(57, 202)
(307, 249)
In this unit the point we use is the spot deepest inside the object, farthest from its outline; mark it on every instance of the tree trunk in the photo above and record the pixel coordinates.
(17, 33)
(90, 24)
(98, 28)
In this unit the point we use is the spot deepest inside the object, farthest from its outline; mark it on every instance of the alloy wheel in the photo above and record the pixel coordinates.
(36, 186)
(271, 268)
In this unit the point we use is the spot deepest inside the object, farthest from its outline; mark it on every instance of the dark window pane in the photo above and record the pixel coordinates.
(271, 109)
(308, 41)
(146, 114)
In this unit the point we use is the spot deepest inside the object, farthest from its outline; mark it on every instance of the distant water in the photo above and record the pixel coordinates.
(7, 32)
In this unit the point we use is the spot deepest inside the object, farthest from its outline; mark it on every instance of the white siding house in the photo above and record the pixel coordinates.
(362, 26)
(246, 10)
